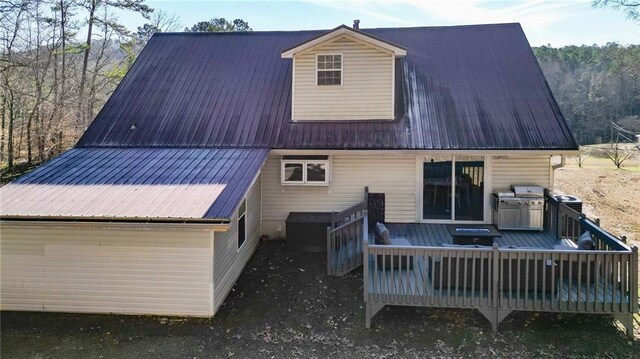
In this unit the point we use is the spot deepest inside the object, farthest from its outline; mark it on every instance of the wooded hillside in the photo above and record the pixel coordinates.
(61, 59)
(594, 85)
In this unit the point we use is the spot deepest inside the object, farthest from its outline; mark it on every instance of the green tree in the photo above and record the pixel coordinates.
(593, 85)
(219, 25)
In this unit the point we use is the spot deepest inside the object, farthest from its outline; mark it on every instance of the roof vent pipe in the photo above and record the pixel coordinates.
(356, 24)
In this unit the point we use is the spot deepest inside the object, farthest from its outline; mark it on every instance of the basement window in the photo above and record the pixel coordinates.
(305, 170)
(329, 69)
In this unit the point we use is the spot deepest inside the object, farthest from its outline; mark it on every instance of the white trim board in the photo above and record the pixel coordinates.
(514, 153)
(344, 31)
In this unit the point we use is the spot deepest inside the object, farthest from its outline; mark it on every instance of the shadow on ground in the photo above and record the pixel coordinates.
(284, 306)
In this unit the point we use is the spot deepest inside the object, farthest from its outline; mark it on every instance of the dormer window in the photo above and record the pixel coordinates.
(329, 69)
(319, 89)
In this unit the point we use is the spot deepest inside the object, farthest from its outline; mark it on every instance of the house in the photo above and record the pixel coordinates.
(212, 139)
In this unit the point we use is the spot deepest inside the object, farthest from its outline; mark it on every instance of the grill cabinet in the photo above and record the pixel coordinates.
(522, 208)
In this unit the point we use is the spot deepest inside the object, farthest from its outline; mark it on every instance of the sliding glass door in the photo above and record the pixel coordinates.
(437, 188)
(453, 188)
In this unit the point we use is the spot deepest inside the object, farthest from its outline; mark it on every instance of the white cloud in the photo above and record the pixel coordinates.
(532, 14)
(365, 8)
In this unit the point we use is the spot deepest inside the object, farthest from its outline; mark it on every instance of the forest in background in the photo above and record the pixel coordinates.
(61, 59)
(594, 86)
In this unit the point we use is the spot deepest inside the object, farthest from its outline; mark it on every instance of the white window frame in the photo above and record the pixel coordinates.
(238, 215)
(340, 69)
(304, 181)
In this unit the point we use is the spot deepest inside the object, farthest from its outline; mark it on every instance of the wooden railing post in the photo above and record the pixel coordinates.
(558, 218)
(634, 279)
(330, 249)
(365, 253)
(495, 280)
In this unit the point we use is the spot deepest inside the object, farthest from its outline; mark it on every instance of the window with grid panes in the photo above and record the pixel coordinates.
(329, 69)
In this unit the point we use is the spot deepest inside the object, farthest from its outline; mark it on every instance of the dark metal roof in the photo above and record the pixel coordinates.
(463, 87)
(134, 183)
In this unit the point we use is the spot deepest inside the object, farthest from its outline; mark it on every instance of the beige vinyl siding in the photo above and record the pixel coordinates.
(106, 270)
(530, 170)
(393, 174)
(228, 261)
(367, 84)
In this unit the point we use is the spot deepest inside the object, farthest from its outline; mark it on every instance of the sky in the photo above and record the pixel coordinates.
(550, 22)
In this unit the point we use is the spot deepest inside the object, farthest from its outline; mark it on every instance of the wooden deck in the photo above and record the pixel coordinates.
(434, 235)
(522, 270)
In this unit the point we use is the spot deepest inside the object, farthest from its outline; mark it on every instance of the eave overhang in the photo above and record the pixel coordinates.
(344, 30)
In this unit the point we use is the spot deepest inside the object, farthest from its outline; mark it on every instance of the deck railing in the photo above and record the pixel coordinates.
(344, 238)
(564, 223)
(430, 276)
(567, 280)
(499, 280)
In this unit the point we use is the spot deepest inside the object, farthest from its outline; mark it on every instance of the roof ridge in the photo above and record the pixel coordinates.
(259, 32)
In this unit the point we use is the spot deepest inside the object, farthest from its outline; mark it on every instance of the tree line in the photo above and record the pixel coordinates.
(59, 63)
(594, 86)
(61, 59)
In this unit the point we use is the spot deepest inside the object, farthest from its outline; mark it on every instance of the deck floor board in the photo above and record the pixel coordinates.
(428, 234)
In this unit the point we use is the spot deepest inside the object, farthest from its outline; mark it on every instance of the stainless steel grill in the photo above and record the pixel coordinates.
(521, 208)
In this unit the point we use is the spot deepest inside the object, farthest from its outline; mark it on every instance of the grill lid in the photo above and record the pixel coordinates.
(528, 191)
(505, 193)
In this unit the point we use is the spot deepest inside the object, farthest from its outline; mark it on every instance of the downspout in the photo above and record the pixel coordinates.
(561, 164)
(552, 171)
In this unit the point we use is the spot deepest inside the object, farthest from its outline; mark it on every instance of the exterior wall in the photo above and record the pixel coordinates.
(229, 261)
(531, 169)
(393, 174)
(367, 84)
(106, 270)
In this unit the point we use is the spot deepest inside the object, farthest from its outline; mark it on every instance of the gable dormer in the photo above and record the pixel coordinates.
(343, 75)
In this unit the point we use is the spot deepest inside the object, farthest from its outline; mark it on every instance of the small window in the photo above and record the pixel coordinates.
(316, 172)
(293, 172)
(242, 223)
(305, 171)
(329, 70)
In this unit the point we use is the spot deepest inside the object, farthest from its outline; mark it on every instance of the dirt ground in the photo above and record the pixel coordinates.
(285, 306)
(611, 195)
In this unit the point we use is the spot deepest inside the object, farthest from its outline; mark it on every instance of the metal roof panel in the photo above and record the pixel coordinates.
(459, 87)
(125, 183)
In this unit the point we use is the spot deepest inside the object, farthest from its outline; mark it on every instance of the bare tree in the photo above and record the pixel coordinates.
(581, 157)
(92, 7)
(11, 28)
(618, 154)
(41, 70)
(161, 21)
(630, 7)
(63, 8)
(104, 56)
